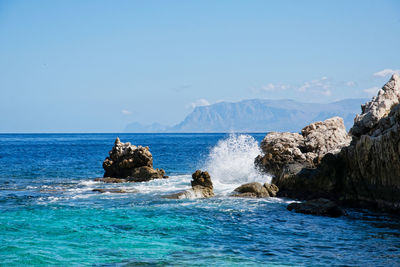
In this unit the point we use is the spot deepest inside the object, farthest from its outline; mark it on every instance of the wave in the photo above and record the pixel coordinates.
(231, 163)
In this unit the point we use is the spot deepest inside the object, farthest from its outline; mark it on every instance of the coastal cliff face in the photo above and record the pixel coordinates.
(373, 160)
(365, 172)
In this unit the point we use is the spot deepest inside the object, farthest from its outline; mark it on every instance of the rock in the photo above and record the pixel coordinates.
(280, 149)
(372, 163)
(201, 178)
(286, 154)
(145, 173)
(111, 180)
(202, 187)
(364, 173)
(321, 207)
(324, 137)
(378, 107)
(251, 190)
(272, 189)
(133, 163)
(112, 190)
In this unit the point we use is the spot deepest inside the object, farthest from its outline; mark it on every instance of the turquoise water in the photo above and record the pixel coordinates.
(49, 214)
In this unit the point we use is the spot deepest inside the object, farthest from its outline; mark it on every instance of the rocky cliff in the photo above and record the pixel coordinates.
(321, 162)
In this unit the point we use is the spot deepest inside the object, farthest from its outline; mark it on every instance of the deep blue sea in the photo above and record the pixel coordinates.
(49, 214)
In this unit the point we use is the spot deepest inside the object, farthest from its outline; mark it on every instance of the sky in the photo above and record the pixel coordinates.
(95, 66)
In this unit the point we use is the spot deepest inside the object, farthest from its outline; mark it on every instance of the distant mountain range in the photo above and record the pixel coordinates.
(257, 115)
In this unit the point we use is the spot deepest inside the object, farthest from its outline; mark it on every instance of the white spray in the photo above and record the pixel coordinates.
(231, 163)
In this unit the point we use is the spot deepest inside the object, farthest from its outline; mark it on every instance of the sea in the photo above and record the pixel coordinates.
(50, 215)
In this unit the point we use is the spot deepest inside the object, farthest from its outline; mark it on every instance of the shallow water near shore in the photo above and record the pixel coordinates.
(49, 214)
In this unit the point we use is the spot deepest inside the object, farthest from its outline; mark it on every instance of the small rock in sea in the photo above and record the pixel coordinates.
(113, 190)
(256, 190)
(202, 187)
(251, 190)
(111, 180)
(130, 164)
(320, 206)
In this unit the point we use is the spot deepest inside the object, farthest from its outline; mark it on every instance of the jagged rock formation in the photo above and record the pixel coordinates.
(256, 190)
(378, 108)
(202, 187)
(285, 154)
(129, 163)
(372, 162)
(364, 173)
(321, 207)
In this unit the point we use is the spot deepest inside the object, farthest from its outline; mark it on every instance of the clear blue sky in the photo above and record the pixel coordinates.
(94, 66)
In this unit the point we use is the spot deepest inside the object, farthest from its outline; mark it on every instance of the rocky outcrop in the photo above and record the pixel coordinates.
(202, 187)
(364, 173)
(130, 163)
(287, 154)
(321, 207)
(372, 162)
(256, 190)
(378, 108)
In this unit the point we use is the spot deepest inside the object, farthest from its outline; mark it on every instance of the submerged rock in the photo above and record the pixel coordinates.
(113, 190)
(321, 207)
(202, 187)
(111, 180)
(256, 190)
(131, 163)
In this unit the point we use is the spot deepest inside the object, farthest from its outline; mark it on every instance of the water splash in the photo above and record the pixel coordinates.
(231, 163)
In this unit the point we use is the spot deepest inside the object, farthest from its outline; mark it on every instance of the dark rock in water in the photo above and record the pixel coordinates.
(321, 206)
(201, 178)
(145, 173)
(111, 180)
(251, 190)
(364, 173)
(113, 190)
(202, 187)
(135, 164)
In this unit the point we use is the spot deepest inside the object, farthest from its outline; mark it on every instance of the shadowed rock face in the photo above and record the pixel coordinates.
(364, 173)
(133, 163)
(202, 187)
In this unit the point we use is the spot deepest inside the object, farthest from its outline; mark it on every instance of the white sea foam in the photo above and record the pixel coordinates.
(174, 183)
(231, 163)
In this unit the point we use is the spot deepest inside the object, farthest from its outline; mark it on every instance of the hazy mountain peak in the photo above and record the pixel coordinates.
(259, 115)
